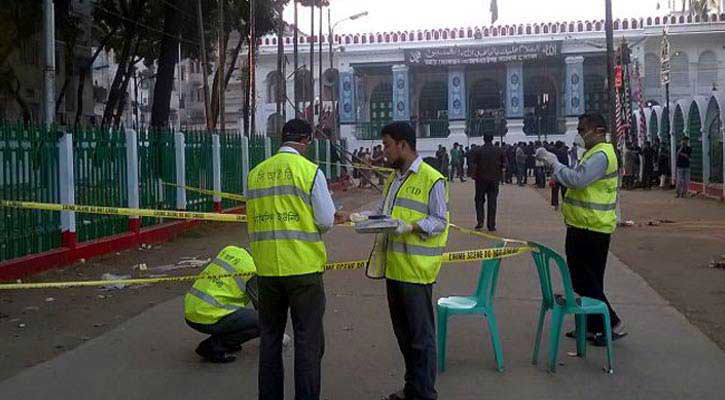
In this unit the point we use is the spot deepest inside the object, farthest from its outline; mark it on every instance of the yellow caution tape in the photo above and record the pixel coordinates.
(223, 195)
(452, 257)
(205, 216)
(486, 235)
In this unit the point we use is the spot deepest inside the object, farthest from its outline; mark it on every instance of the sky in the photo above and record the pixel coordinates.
(394, 15)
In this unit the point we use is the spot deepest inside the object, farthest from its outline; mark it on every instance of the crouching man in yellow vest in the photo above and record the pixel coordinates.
(218, 306)
(590, 215)
(410, 258)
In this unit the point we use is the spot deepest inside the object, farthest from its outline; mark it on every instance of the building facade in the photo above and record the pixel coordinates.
(451, 83)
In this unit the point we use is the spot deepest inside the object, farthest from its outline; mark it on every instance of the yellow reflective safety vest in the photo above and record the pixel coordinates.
(410, 257)
(594, 207)
(209, 300)
(284, 238)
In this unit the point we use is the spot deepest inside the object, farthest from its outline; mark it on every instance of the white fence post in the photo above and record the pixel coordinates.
(134, 222)
(216, 159)
(245, 164)
(179, 148)
(67, 190)
(328, 167)
(267, 147)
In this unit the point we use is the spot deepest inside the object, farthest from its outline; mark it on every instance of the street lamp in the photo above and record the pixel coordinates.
(333, 26)
(332, 64)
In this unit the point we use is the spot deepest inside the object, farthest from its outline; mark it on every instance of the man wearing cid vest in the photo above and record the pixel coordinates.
(288, 208)
(409, 259)
(218, 306)
(589, 211)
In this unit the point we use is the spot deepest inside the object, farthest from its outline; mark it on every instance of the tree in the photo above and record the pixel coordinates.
(236, 16)
(18, 19)
(132, 36)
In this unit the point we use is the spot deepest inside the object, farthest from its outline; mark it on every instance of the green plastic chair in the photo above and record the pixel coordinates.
(481, 302)
(563, 305)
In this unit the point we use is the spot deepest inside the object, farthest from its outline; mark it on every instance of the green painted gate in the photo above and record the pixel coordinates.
(29, 172)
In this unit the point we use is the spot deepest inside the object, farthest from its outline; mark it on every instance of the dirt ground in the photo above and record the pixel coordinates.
(674, 256)
(37, 325)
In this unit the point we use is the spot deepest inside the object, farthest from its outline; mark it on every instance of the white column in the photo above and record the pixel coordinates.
(328, 154)
(67, 184)
(267, 147)
(245, 164)
(216, 161)
(132, 174)
(179, 147)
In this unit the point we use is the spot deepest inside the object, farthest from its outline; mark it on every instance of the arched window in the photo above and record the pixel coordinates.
(651, 71)
(275, 87)
(707, 67)
(680, 69)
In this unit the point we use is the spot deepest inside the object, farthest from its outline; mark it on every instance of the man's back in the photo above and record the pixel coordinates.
(488, 161)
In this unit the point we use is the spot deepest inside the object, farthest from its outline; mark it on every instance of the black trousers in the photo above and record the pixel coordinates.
(486, 190)
(558, 187)
(304, 296)
(231, 330)
(411, 311)
(586, 254)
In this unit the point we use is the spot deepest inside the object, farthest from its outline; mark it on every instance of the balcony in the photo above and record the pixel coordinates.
(434, 128)
(370, 130)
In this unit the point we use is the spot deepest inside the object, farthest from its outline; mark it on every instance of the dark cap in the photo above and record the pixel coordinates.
(296, 130)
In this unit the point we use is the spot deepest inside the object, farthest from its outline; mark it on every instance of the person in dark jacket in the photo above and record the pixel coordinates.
(488, 163)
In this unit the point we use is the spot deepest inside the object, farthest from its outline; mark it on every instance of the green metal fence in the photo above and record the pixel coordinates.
(256, 151)
(28, 171)
(99, 168)
(156, 164)
(231, 166)
(199, 170)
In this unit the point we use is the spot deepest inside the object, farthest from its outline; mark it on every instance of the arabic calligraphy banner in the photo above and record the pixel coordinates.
(483, 54)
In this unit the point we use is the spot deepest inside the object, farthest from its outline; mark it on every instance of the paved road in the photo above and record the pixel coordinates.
(151, 356)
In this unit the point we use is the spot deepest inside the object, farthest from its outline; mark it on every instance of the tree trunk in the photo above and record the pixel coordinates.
(220, 71)
(84, 72)
(114, 94)
(124, 90)
(160, 109)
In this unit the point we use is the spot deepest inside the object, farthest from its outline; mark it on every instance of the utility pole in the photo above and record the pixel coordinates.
(312, 63)
(610, 69)
(49, 88)
(252, 67)
(319, 51)
(204, 66)
(297, 67)
(281, 81)
(222, 68)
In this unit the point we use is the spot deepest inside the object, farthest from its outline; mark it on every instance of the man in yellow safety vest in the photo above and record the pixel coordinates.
(416, 197)
(589, 211)
(288, 208)
(218, 306)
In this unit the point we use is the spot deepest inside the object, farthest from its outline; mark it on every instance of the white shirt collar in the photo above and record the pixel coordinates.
(288, 149)
(414, 167)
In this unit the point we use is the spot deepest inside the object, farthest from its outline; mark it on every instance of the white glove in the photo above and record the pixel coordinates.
(546, 157)
(403, 228)
(357, 217)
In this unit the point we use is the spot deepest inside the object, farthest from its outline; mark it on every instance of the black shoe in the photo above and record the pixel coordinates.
(399, 395)
(572, 334)
(478, 227)
(492, 229)
(618, 332)
(219, 357)
(234, 348)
